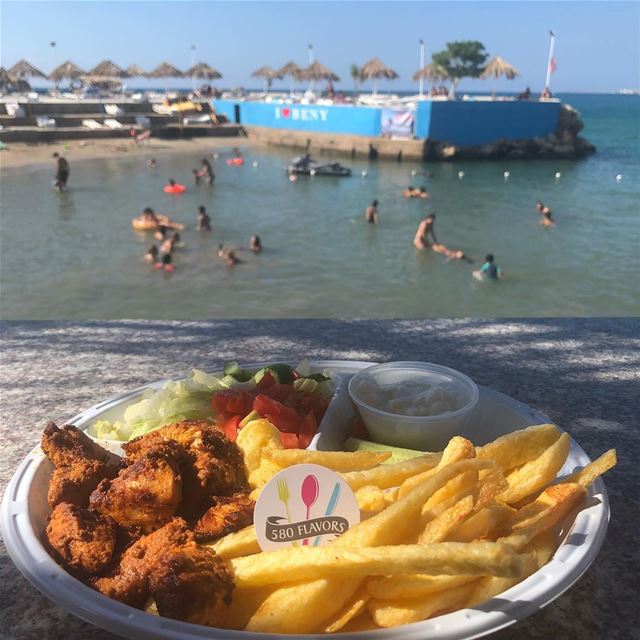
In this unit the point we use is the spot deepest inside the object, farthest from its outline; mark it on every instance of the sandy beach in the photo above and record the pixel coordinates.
(28, 154)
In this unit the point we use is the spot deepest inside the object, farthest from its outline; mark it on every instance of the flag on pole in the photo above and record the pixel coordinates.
(553, 65)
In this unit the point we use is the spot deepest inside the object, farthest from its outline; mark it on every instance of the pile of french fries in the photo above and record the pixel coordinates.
(440, 532)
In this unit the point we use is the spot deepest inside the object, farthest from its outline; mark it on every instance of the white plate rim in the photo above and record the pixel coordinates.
(522, 600)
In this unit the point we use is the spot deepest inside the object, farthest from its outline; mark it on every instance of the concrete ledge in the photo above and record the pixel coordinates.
(354, 146)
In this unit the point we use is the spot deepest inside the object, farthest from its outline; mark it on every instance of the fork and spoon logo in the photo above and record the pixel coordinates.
(318, 506)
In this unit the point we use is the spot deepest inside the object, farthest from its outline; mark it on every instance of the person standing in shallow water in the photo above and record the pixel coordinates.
(62, 172)
(206, 172)
(371, 213)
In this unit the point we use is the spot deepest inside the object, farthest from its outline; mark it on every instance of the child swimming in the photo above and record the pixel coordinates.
(488, 270)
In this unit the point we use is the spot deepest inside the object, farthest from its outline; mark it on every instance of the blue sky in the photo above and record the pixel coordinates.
(598, 46)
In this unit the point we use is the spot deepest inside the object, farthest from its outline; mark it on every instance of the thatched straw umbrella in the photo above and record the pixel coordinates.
(108, 68)
(134, 71)
(203, 71)
(432, 72)
(376, 69)
(497, 67)
(317, 71)
(292, 70)
(6, 79)
(24, 69)
(66, 71)
(166, 70)
(267, 74)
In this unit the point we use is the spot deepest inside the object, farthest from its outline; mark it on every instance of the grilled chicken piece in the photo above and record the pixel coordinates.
(81, 539)
(212, 467)
(129, 582)
(80, 464)
(189, 583)
(227, 514)
(146, 494)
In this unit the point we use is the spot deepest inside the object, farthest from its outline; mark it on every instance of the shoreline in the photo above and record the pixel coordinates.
(22, 154)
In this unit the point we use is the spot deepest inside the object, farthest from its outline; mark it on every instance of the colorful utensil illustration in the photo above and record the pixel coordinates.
(331, 507)
(309, 493)
(283, 496)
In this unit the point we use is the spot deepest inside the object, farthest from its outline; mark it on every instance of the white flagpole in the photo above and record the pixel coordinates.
(421, 67)
(552, 46)
(310, 87)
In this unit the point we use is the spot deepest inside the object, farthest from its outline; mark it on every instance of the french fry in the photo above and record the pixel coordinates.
(542, 547)
(486, 523)
(460, 486)
(438, 529)
(587, 476)
(361, 623)
(391, 613)
(546, 512)
(257, 437)
(391, 475)
(301, 607)
(519, 447)
(237, 544)
(416, 585)
(344, 461)
(244, 603)
(537, 473)
(351, 610)
(446, 558)
(458, 449)
(371, 499)
(492, 483)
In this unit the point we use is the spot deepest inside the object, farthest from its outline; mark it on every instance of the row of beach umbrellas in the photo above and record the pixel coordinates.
(107, 71)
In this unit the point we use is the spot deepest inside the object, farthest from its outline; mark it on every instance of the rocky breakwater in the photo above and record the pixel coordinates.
(564, 143)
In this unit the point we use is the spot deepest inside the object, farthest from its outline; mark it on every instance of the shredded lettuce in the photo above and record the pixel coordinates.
(190, 399)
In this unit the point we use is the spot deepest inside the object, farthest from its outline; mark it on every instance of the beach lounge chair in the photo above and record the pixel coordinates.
(199, 119)
(45, 122)
(113, 110)
(14, 109)
(91, 124)
(112, 123)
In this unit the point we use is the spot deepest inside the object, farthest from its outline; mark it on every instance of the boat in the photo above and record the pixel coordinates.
(306, 166)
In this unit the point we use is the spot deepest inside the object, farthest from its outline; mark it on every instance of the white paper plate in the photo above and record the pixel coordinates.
(25, 509)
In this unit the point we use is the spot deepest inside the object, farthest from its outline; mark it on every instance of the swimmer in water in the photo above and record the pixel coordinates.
(423, 193)
(206, 172)
(229, 255)
(255, 244)
(152, 253)
(546, 213)
(371, 213)
(203, 221)
(489, 269)
(151, 163)
(425, 238)
(149, 215)
(161, 232)
(166, 264)
(196, 176)
(172, 183)
(408, 192)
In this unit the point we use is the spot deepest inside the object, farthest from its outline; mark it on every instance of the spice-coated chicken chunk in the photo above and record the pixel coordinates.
(227, 514)
(80, 464)
(146, 494)
(213, 464)
(83, 540)
(189, 583)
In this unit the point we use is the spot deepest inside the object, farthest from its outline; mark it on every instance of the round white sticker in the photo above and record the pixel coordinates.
(304, 505)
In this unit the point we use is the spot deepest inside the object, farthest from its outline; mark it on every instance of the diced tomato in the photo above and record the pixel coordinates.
(266, 381)
(231, 427)
(315, 403)
(308, 428)
(279, 391)
(282, 417)
(232, 402)
(289, 440)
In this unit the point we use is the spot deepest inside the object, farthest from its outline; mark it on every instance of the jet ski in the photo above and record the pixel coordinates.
(305, 166)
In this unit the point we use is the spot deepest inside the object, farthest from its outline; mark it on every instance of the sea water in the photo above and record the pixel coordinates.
(74, 254)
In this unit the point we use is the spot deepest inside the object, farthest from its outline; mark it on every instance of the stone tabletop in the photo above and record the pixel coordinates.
(582, 373)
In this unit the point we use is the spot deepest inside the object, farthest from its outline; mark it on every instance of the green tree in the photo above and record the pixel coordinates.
(462, 59)
(355, 76)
